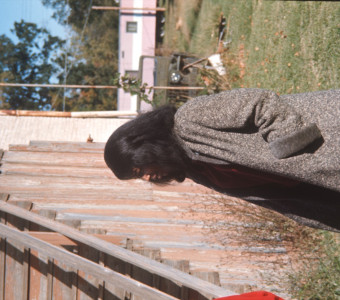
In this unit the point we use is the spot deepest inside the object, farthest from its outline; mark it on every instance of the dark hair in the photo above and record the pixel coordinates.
(145, 142)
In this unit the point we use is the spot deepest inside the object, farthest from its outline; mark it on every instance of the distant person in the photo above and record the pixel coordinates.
(280, 152)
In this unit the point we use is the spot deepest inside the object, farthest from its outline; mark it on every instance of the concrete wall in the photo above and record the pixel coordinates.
(22, 130)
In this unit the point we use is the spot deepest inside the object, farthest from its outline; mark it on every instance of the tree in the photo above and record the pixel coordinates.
(93, 52)
(30, 60)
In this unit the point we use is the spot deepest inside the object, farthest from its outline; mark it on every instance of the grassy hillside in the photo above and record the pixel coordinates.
(287, 46)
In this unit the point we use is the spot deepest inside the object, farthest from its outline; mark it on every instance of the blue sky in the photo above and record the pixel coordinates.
(30, 11)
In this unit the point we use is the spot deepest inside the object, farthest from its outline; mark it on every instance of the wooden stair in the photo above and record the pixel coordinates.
(70, 183)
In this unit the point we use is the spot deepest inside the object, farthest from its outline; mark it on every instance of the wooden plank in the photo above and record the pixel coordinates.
(88, 285)
(66, 189)
(53, 238)
(103, 114)
(58, 239)
(66, 144)
(22, 203)
(210, 276)
(64, 279)
(25, 273)
(81, 263)
(76, 182)
(57, 184)
(2, 267)
(77, 195)
(17, 262)
(14, 271)
(139, 216)
(181, 264)
(206, 288)
(2, 253)
(61, 147)
(62, 114)
(43, 170)
(39, 272)
(15, 183)
(120, 267)
(101, 285)
(31, 113)
(58, 201)
(95, 160)
(13, 262)
(49, 291)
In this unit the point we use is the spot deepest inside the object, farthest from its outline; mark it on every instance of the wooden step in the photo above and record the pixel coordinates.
(45, 146)
(58, 239)
(95, 160)
(27, 169)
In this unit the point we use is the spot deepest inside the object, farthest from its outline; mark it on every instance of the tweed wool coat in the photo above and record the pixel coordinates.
(294, 136)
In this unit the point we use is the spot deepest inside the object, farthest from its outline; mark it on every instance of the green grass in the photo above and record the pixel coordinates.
(285, 46)
(321, 278)
(289, 46)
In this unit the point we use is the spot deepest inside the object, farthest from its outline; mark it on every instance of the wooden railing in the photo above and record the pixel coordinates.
(82, 264)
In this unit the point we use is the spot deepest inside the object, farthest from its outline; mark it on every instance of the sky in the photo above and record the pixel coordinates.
(30, 11)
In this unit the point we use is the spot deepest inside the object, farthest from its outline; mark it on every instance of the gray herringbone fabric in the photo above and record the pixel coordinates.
(248, 126)
(296, 136)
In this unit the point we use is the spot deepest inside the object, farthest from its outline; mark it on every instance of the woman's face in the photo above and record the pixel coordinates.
(152, 174)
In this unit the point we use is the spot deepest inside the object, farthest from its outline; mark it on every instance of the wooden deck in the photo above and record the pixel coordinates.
(69, 184)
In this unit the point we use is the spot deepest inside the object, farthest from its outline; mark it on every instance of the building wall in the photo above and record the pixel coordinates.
(139, 41)
(22, 130)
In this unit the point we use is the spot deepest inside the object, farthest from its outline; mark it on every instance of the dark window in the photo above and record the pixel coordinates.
(131, 27)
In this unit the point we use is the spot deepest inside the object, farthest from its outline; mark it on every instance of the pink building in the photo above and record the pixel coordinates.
(137, 34)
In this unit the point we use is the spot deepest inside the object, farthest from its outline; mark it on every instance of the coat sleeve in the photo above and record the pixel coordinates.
(247, 110)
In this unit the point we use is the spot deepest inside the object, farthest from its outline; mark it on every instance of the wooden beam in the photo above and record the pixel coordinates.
(102, 114)
(205, 288)
(57, 146)
(58, 239)
(31, 113)
(53, 238)
(80, 263)
(61, 114)
(70, 86)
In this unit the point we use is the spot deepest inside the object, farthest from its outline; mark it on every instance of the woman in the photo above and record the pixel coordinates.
(281, 152)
